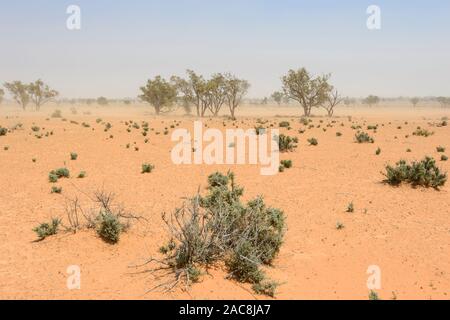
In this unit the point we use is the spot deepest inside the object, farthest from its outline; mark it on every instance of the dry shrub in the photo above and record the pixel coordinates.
(219, 227)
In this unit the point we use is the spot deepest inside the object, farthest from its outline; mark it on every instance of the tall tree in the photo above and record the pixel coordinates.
(236, 89)
(102, 101)
(333, 99)
(40, 93)
(19, 92)
(371, 100)
(160, 94)
(415, 101)
(310, 92)
(216, 91)
(277, 96)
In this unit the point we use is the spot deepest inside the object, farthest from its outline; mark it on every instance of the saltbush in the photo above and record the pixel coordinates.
(418, 173)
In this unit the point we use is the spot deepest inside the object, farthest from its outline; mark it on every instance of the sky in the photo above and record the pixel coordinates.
(122, 43)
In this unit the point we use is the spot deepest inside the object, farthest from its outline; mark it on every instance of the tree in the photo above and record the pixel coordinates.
(415, 101)
(19, 92)
(308, 91)
(160, 94)
(236, 89)
(444, 101)
(349, 101)
(40, 93)
(2, 94)
(277, 96)
(333, 99)
(102, 101)
(371, 100)
(215, 91)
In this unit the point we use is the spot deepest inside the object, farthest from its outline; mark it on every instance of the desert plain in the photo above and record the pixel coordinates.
(405, 231)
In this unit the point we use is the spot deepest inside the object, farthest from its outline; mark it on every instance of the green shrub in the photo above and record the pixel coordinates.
(350, 207)
(286, 143)
(363, 137)
(440, 149)
(219, 226)
(378, 151)
(265, 287)
(35, 128)
(56, 189)
(59, 173)
(53, 178)
(284, 124)
(81, 175)
(73, 156)
(147, 168)
(109, 227)
(313, 142)
(286, 163)
(339, 225)
(373, 295)
(444, 157)
(3, 131)
(421, 173)
(422, 132)
(47, 229)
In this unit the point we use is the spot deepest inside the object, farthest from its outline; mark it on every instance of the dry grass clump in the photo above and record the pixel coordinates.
(220, 228)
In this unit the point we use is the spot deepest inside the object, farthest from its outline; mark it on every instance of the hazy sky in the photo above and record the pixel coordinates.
(123, 43)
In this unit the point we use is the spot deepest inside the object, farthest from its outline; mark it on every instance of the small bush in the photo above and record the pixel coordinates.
(47, 229)
(82, 175)
(219, 226)
(147, 168)
(73, 156)
(286, 163)
(284, 124)
(260, 130)
(350, 207)
(422, 132)
(313, 142)
(3, 131)
(444, 157)
(57, 114)
(378, 151)
(265, 287)
(339, 225)
(440, 149)
(286, 143)
(421, 173)
(373, 295)
(109, 227)
(363, 137)
(56, 189)
(59, 173)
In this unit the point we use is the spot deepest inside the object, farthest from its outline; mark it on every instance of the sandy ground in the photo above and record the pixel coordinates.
(404, 231)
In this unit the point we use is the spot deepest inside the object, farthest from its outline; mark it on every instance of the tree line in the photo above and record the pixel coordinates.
(208, 96)
(36, 92)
